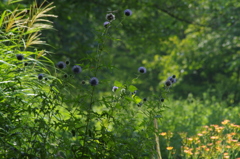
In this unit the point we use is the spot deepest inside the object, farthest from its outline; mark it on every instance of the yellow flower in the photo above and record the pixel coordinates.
(163, 134)
(199, 134)
(214, 137)
(203, 146)
(234, 140)
(189, 139)
(204, 132)
(210, 144)
(225, 122)
(169, 148)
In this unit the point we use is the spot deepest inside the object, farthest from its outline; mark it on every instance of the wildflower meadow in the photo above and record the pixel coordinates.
(117, 79)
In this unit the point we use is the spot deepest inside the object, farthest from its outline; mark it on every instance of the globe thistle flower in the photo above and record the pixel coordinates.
(61, 65)
(20, 57)
(94, 81)
(76, 69)
(162, 99)
(46, 79)
(40, 76)
(106, 24)
(172, 79)
(110, 17)
(142, 70)
(25, 63)
(168, 83)
(128, 12)
(144, 99)
(139, 104)
(83, 82)
(114, 89)
(65, 76)
(67, 62)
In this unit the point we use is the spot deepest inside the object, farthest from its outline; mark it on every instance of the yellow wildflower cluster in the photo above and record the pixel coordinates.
(213, 141)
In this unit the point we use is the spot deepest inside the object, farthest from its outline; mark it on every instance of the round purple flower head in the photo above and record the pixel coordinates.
(106, 24)
(168, 83)
(114, 89)
(67, 62)
(128, 12)
(93, 81)
(76, 69)
(172, 79)
(19, 56)
(40, 76)
(142, 70)
(110, 17)
(61, 65)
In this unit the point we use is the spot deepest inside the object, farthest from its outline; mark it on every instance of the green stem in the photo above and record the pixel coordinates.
(157, 139)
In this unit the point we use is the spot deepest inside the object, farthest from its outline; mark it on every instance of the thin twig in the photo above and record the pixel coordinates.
(157, 139)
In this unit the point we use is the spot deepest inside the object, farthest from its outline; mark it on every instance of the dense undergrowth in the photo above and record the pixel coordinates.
(71, 110)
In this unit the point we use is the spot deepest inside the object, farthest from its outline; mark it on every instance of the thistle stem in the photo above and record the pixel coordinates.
(157, 139)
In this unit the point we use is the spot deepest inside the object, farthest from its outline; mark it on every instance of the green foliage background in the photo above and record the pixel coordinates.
(199, 42)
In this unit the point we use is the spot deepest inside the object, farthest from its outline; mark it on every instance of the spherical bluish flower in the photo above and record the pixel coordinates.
(172, 79)
(106, 24)
(25, 63)
(114, 89)
(40, 76)
(76, 69)
(65, 76)
(61, 65)
(20, 56)
(162, 99)
(139, 104)
(142, 70)
(110, 17)
(93, 81)
(168, 83)
(67, 62)
(144, 99)
(128, 12)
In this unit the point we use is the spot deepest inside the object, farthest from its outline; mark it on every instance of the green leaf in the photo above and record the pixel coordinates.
(132, 88)
(2, 17)
(137, 99)
(118, 106)
(118, 84)
(13, 1)
(128, 98)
